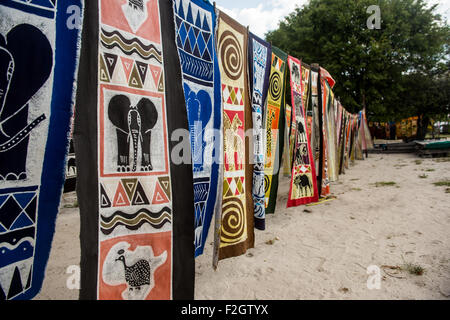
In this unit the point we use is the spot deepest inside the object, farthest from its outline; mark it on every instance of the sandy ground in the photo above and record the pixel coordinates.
(323, 253)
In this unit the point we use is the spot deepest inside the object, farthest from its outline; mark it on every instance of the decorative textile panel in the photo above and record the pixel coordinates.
(136, 203)
(331, 138)
(341, 143)
(259, 58)
(326, 83)
(348, 130)
(236, 233)
(287, 141)
(292, 137)
(275, 121)
(303, 189)
(368, 137)
(38, 63)
(315, 127)
(195, 25)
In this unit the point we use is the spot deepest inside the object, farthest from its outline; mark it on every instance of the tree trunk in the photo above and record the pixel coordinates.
(422, 126)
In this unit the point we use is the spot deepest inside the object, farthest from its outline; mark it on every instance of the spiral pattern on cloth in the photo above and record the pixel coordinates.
(233, 221)
(230, 52)
(266, 183)
(276, 86)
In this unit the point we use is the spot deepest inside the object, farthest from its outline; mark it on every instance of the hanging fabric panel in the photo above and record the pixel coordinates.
(39, 51)
(137, 235)
(259, 58)
(275, 122)
(236, 232)
(195, 24)
(303, 187)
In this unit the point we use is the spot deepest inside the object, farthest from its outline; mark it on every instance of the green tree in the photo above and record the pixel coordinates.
(373, 68)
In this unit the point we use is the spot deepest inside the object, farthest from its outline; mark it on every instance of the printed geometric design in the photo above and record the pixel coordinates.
(135, 71)
(127, 66)
(139, 197)
(17, 211)
(104, 199)
(196, 68)
(159, 196)
(227, 191)
(135, 220)
(135, 79)
(121, 198)
(303, 170)
(103, 72)
(161, 83)
(110, 61)
(234, 186)
(165, 185)
(199, 209)
(194, 31)
(239, 185)
(129, 192)
(130, 186)
(9, 212)
(156, 73)
(115, 39)
(201, 192)
(17, 281)
(195, 42)
(232, 95)
(17, 240)
(277, 63)
(201, 189)
(142, 69)
(47, 4)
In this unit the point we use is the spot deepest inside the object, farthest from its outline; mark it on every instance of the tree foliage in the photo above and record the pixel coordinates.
(394, 71)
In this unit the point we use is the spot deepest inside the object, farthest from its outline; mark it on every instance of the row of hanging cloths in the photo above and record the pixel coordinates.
(175, 127)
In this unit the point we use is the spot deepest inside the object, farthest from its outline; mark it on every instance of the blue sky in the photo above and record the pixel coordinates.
(264, 15)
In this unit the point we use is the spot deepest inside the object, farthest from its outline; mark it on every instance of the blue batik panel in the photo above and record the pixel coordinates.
(259, 54)
(36, 102)
(195, 25)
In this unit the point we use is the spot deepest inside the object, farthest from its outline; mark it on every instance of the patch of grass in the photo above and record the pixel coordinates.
(413, 269)
(442, 160)
(423, 176)
(430, 170)
(443, 183)
(385, 184)
(356, 189)
(418, 162)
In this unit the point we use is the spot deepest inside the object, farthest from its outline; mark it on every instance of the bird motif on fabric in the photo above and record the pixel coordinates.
(137, 275)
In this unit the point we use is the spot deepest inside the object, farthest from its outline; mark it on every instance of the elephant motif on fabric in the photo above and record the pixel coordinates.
(26, 62)
(134, 126)
(199, 107)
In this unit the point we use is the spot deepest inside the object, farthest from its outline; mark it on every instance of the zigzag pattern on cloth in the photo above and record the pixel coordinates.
(201, 188)
(134, 221)
(196, 68)
(129, 46)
